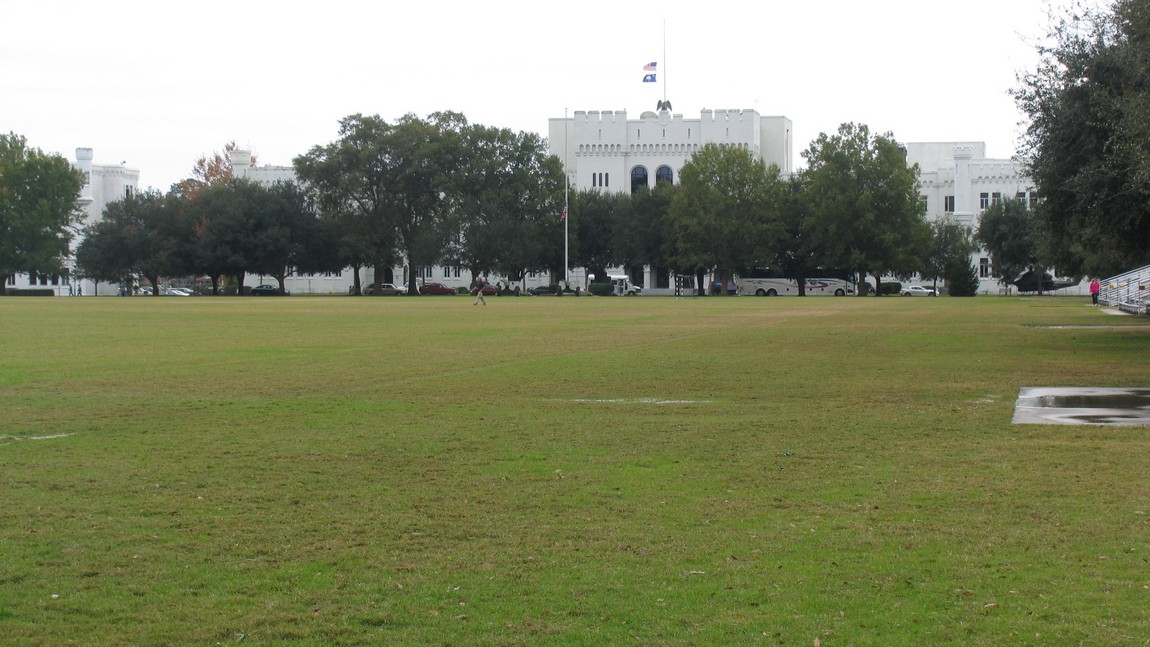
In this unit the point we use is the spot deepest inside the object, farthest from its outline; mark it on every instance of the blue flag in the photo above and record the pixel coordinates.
(648, 78)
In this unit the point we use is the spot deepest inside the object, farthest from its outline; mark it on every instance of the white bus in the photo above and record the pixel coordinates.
(762, 286)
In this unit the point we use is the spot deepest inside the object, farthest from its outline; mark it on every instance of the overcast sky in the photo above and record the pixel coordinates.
(159, 84)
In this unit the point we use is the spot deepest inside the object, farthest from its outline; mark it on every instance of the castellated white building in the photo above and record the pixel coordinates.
(958, 181)
(606, 150)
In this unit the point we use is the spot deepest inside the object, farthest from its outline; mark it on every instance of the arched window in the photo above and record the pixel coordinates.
(638, 179)
(663, 174)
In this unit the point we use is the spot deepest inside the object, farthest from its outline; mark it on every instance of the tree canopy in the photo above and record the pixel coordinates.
(138, 235)
(1008, 232)
(38, 208)
(864, 203)
(1088, 138)
(725, 214)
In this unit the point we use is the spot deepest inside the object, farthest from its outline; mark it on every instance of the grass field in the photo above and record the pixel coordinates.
(566, 471)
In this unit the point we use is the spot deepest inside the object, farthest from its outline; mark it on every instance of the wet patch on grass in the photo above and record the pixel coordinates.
(1083, 406)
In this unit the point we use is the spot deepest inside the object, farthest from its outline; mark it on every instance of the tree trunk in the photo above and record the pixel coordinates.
(376, 277)
(357, 285)
(412, 282)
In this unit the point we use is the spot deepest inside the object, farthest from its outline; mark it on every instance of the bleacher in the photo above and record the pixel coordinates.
(1129, 292)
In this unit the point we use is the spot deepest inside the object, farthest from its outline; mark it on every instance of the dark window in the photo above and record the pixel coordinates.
(638, 179)
(948, 204)
(983, 200)
(663, 174)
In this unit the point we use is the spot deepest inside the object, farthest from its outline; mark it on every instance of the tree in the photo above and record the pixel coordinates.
(793, 253)
(962, 278)
(1088, 138)
(507, 194)
(226, 227)
(723, 215)
(865, 210)
(287, 235)
(347, 178)
(595, 217)
(390, 183)
(643, 238)
(951, 245)
(1007, 231)
(137, 236)
(424, 154)
(38, 212)
(210, 170)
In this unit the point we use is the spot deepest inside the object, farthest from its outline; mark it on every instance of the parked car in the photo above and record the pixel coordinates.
(540, 290)
(177, 292)
(918, 291)
(490, 290)
(436, 288)
(385, 289)
(265, 290)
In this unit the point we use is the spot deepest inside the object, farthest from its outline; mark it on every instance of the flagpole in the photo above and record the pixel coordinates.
(664, 59)
(566, 186)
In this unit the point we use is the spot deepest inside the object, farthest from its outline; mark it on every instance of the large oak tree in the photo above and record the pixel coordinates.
(1088, 138)
(865, 212)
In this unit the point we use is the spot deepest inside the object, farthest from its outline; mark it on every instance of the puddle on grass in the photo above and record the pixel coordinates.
(4, 439)
(1089, 327)
(639, 401)
(1082, 406)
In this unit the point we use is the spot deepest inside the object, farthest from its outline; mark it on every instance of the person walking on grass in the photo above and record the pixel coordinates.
(478, 287)
(1094, 289)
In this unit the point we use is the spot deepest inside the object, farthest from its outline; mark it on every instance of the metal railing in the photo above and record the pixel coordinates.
(1130, 291)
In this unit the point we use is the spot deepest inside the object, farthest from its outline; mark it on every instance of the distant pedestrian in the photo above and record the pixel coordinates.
(1095, 288)
(480, 283)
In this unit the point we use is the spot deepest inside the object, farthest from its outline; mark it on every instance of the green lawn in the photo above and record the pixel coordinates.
(566, 471)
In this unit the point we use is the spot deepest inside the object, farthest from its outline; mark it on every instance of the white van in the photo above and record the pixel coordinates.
(623, 287)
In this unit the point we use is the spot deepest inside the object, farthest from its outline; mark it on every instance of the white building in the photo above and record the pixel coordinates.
(958, 181)
(607, 151)
(103, 185)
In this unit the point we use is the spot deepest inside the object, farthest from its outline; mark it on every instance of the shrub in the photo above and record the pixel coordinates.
(601, 289)
(962, 279)
(891, 287)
